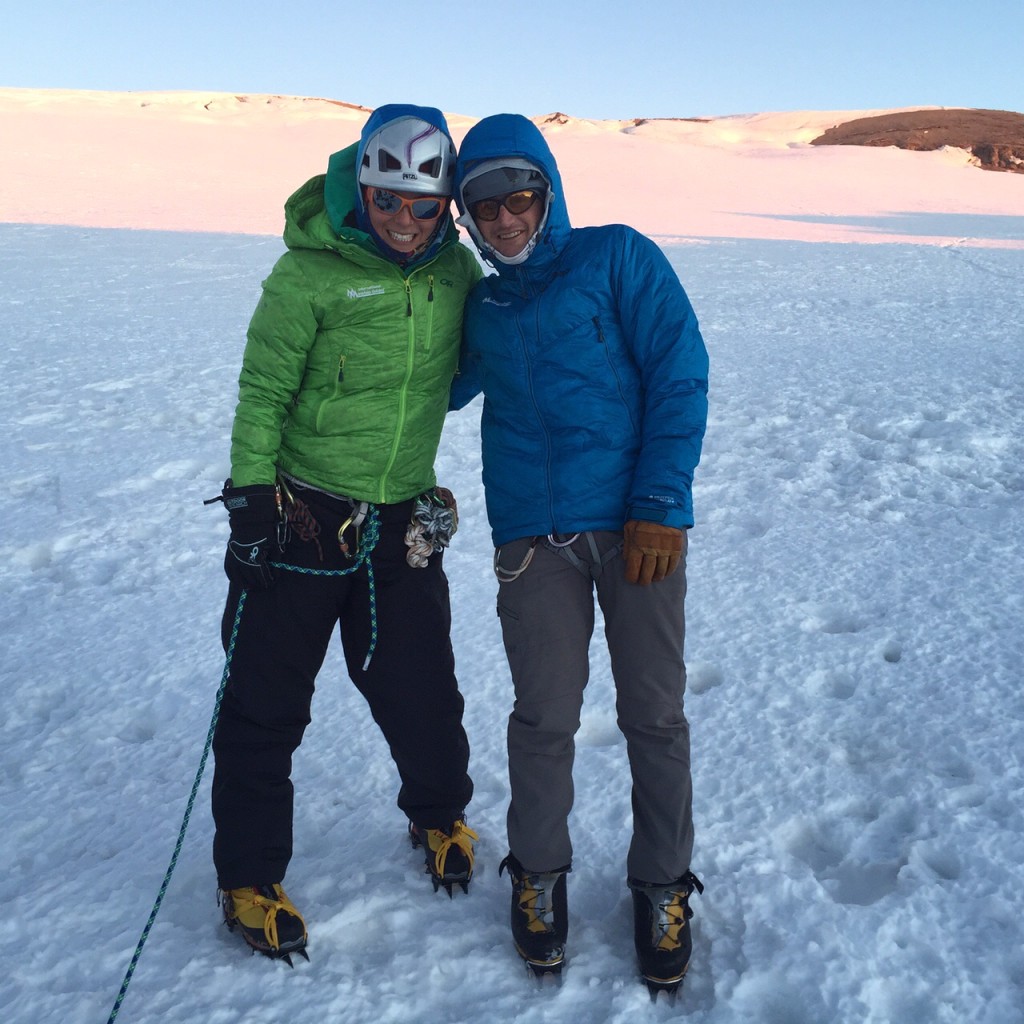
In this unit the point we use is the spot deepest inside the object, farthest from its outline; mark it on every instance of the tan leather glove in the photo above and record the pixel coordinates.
(651, 551)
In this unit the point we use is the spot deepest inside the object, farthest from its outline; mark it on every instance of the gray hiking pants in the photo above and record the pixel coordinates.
(547, 619)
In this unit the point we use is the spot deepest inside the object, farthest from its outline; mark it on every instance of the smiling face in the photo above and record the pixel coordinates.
(401, 230)
(509, 233)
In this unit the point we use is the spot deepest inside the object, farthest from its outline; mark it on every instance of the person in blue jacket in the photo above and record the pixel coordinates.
(594, 376)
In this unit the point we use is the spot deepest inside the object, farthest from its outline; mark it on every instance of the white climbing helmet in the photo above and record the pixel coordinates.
(409, 155)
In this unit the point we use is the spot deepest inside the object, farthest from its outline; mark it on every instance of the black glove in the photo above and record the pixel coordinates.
(254, 514)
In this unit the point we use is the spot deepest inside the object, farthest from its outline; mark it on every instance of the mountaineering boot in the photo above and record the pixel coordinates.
(540, 916)
(661, 931)
(268, 920)
(448, 853)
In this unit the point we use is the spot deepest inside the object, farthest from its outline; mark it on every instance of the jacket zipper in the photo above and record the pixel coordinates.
(430, 312)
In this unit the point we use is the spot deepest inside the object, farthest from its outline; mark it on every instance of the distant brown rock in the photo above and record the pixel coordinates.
(995, 138)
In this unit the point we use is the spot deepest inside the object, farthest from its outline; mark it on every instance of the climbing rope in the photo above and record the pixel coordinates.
(435, 519)
(184, 821)
(367, 542)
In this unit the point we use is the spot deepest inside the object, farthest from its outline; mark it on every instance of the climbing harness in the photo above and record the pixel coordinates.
(562, 546)
(597, 562)
(368, 538)
(306, 525)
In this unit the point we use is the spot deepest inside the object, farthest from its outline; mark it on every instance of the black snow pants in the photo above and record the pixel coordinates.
(280, 641)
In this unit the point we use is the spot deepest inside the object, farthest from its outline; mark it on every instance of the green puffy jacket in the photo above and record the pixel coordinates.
(349, 360)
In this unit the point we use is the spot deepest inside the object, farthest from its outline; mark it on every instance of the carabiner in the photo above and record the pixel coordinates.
(510, 575)
(355, 520)
(562, 543)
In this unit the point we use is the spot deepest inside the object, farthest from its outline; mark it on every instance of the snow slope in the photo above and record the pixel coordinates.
(854, 643)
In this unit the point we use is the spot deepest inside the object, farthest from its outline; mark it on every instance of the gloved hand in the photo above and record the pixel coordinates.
(651, 551)
(254, 514)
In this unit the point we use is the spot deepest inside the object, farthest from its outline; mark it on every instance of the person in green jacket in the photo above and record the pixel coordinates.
(335, 514)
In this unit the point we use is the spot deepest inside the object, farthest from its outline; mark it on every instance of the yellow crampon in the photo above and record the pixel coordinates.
(440, 844)
(673, 918)
(535, 902)
(255, 910)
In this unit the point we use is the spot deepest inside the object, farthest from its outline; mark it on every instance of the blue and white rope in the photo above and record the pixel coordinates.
(185, 819)
(367, 542)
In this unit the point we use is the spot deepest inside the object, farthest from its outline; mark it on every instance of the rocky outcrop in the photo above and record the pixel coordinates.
(556, 118)
(995, 138)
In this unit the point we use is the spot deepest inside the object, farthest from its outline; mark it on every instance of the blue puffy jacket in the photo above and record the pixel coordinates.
(592, 366)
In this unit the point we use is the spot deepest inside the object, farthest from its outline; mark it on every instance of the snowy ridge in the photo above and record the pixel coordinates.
(222, 162)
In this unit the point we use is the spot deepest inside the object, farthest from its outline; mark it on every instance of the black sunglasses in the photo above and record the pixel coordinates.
(514, 202)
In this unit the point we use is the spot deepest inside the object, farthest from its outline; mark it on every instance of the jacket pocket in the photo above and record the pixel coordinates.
(616, 376)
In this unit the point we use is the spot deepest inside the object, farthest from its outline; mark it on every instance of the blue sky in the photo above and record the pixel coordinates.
(588, 58)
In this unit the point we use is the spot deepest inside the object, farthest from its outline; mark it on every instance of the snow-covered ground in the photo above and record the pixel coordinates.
(854, 643)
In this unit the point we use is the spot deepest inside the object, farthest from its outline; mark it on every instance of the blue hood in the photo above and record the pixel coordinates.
(343, 198)
(512, 135)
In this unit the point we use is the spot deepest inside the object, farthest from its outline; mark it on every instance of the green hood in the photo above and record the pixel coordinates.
(327, 199)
